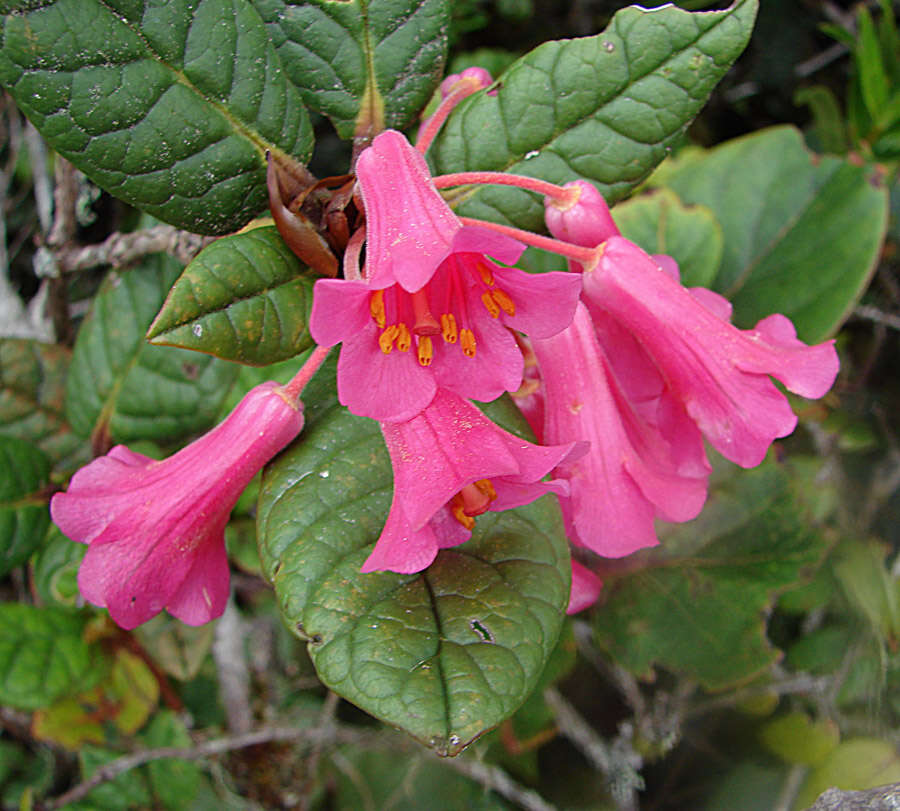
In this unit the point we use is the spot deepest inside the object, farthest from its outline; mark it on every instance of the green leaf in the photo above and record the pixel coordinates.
(872, 76)
(121, 388)
(24, 518)
(797, 738)
(385, 780)
(169, 106)
(42, 655)
(55, 567)
(696, 605)
(829, 120)
(126, 791)
(32, 399)
(661, 223)
(244, 298)
(802, 232)
(178, 649)
(606, 108)
(174, 782)
(445, 654)
(366, 64)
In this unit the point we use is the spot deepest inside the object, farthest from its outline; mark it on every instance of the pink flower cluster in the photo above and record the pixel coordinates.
(623, 373)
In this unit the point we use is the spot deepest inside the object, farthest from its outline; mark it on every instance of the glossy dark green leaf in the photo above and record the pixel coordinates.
(32, 399)
(445, 654)
(122, 388)
(606, 108)
(170, 106)
(42, 655)
(696, 605)
(366, 64)
(802, 232)
(244, 298)
(24, 518)
(661, 223)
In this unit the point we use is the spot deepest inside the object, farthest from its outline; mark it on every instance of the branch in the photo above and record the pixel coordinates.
(123, 249)
(496, 779)
(617, 761)
(217, 746)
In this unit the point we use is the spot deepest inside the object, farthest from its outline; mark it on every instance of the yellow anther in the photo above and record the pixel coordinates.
(426, 350)
(487, 275)
(386, 339)
(467, 340)
(403, 339)
(505, 302)
(459, 512)
(486, 487)
(448, 328)
(376, 307)
(489, 304)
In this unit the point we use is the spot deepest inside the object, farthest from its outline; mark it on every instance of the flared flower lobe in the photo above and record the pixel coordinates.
(155, 529)
(451, 464)
(718, 372)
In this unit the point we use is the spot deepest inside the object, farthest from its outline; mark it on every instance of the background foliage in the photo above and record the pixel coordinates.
(748, 662)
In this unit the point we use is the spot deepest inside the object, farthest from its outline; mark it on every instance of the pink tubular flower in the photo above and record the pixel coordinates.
(155, 529)
(639, 466)
(433, 310)
(451, 463)
(720, 374)
(583, 221)
(585, 588)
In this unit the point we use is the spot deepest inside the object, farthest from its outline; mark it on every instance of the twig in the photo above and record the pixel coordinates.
(326, 720)
(878, 316)
(217, 746)
(618, 762)
(792, 784)
(496, 779)
(802, 684)
(118, 249)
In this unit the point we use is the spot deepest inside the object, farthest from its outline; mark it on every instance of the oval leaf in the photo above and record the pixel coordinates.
(367, 65)
(32, 399)
(24, 518)
(244, 298)
(170, 106)
(121, 388)
(697, 604)
(818, 224)
(606, 108)
(42, 655)
(691, 235)
(445, 654)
